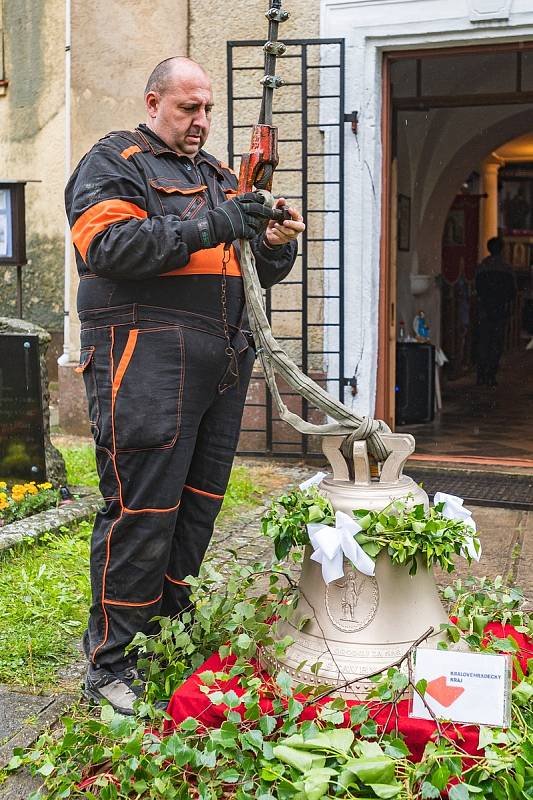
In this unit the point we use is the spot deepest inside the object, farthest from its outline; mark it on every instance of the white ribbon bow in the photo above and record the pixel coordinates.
(332, 544)
(314, 481)
(454, 509)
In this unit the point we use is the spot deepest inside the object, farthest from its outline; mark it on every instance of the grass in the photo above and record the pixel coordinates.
(81, 465)
(42, 620)
(44, 600)
(242, 492)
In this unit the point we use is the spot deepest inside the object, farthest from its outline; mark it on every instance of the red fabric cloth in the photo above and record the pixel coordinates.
(189, 701)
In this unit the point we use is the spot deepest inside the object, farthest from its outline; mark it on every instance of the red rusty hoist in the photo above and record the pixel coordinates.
(258, 165)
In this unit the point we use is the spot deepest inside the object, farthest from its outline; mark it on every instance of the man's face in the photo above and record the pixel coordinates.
(181, 116)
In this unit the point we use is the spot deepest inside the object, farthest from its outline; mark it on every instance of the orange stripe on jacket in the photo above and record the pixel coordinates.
(99, 217)
(130, 151)
(209, 262)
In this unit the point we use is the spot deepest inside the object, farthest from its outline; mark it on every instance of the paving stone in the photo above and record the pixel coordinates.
(19, 786)
(524, 571)
(16, 708)
(499, 533)
(24, 716)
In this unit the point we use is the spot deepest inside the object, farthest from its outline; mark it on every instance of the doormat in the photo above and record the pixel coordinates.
(497, 490)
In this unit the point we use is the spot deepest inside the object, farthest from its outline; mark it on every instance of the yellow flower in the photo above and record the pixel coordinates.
(3, 485)
(44, 485)
(3, 496)
(30, 488)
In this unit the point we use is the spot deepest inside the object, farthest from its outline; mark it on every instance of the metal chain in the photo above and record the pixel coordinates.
(224, 301)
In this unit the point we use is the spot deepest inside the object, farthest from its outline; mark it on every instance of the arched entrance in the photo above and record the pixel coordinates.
(445, 145)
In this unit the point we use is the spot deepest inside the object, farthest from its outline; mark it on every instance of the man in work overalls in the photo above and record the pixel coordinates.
(155, 224)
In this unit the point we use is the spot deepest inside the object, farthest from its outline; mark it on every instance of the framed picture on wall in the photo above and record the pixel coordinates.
(404, 222)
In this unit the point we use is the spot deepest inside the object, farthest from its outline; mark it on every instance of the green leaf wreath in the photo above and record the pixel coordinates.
(410, 534)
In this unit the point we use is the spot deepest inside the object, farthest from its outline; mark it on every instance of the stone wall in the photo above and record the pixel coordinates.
(32, 148)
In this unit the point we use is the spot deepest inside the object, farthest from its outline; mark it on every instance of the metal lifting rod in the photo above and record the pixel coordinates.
(272, 50)
(258, 165)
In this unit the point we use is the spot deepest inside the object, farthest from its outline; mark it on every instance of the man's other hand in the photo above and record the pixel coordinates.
(278, 233)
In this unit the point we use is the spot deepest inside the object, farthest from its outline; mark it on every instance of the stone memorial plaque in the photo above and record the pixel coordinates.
(22, 454)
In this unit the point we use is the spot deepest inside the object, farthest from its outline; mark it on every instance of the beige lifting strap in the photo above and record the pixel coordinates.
(274, 360)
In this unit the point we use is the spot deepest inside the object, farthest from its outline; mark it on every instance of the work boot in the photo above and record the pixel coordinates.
(120, 689)
(85, 644)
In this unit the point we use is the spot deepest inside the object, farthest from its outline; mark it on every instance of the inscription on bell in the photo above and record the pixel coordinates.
(352, 601)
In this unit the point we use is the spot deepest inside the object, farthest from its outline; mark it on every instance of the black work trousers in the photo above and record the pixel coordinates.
(165, 413)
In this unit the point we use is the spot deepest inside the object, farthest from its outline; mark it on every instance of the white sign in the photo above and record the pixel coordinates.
(6, 250)
(463, 687)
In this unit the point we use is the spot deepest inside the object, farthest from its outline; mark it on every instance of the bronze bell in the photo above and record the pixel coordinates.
(359, 624)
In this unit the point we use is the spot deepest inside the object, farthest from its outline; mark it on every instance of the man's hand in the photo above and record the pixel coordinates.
(278, 233)
(242, 217)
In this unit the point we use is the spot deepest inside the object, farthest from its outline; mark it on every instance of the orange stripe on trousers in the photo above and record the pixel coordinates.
(174, 580)
(206, 494)
(124, 362)
(132, 605)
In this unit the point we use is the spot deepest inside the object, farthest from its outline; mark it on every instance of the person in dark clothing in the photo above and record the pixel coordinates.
(496, 290)
(165, 354)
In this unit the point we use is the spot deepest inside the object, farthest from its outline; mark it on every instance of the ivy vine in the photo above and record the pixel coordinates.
(100, 755)
(408, 533)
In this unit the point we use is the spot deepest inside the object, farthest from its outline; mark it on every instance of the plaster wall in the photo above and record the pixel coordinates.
(32, 148)
(372, 28)
(115, 46)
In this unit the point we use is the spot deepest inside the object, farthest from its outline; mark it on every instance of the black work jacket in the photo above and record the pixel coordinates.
(126, 202)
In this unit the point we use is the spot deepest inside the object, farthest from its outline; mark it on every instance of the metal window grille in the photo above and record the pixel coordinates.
(306, 310)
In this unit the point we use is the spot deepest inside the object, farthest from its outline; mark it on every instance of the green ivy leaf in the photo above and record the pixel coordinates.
(284, 682)
(386, 790)
(244, 641)
(523, 693)
(230, 775)
(372, 770)
(299, 759)
(267, 725)
(429, 791)
(369, 728)
(207, 677)
(358, 714)
(458, 791)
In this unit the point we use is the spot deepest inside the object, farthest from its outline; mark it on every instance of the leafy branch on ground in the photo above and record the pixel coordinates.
(475, 602)
(259, 754)
(408, 533)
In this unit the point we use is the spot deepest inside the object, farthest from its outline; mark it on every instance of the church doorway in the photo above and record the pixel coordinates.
(459, 173)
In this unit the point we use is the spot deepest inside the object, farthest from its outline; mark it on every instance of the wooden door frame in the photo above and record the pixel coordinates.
(385, 405)
(386, 365)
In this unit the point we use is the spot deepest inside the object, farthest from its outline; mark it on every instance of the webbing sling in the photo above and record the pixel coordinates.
(275, 360)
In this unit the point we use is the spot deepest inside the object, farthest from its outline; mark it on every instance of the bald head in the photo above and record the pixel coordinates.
(179, 99)
(173, 69)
